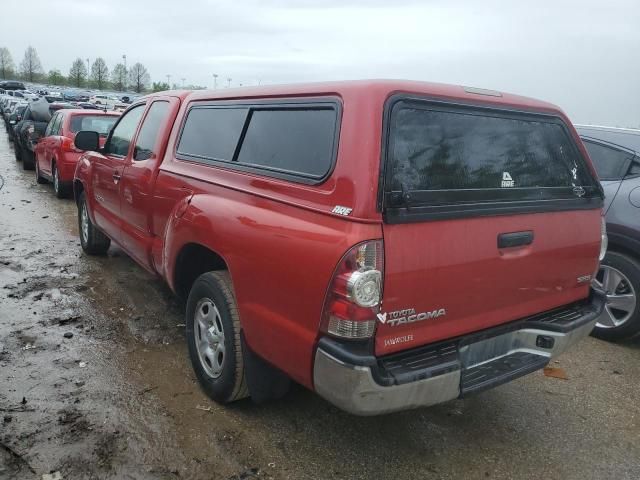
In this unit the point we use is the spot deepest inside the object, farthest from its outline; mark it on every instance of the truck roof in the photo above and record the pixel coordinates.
(380, 89)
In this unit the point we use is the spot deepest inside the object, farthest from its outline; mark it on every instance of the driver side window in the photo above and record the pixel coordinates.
(123, 132)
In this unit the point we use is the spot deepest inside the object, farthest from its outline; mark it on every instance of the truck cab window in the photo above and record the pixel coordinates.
(148, 135)
(120, 139)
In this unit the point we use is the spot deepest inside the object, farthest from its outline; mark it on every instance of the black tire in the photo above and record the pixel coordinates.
(59, 188)
(230, 384)
(17, 151)
(39, 178)
(28, 160)
(94, 242)
(630, 268)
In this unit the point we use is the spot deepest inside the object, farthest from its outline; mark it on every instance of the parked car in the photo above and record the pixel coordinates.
(98, 99)
(56, 155)
(384, 268)
(8, 85)
(616, 155)
(14, 117)
(32, 127)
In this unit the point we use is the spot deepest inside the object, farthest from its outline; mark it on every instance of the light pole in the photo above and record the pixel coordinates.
(124, 80)
(88, 72)
(169, 80)
(183, 79)
(215, 81)
(228, 82)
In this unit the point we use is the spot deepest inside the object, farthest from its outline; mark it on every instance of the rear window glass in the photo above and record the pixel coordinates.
(212, 133)
(610, 163)
(464, 151)
(291, 140)
(95, 123)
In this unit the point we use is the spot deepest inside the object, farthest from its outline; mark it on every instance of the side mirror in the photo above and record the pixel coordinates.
(87, 140)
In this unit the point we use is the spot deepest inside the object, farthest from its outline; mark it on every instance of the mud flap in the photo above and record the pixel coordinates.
(264, 381)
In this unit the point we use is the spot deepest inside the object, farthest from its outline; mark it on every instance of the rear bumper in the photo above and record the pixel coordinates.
(67, 166)
(362, 384)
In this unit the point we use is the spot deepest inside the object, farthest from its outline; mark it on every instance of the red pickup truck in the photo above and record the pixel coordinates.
(388, 244)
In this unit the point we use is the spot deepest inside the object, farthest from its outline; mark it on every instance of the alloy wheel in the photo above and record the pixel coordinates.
(209, 333)
(84, 221)
(621, 297)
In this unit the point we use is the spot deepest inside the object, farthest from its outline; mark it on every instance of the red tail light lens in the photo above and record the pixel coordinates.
(69, 146)
(355, 293)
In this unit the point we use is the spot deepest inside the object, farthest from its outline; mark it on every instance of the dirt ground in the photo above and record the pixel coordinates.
(95, 383)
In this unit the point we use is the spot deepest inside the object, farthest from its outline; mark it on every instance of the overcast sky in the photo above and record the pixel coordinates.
(582, 55)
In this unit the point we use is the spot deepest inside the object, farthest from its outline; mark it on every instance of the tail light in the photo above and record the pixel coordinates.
(604, 239)
(355, 293)
(68, 145)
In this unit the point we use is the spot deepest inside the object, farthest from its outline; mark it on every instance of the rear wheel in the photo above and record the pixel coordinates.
(17, 151)
(213, 337)
(619, 277)
(58, 187)
(92, 240)
(27, 159)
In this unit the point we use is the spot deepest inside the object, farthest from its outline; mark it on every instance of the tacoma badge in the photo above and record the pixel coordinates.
(409, 315)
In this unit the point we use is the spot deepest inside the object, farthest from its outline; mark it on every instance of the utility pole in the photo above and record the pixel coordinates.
(228, 82)
(183, 79)
(215, 81)
(169, 80)
(88, 72)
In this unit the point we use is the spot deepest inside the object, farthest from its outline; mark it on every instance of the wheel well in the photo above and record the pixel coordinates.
(192, 261)
(619, 248)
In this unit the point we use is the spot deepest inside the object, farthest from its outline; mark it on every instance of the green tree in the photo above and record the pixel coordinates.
(119, 78)
(100, 73)
(55, 77)
(78, 72)
(138, 77)
(30, 67)
(160, 86)
(6, 64)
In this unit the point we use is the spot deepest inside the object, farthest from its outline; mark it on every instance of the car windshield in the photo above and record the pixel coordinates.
(95, 123)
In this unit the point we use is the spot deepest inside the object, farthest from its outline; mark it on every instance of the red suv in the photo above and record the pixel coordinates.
(387, 244)
(55, 154)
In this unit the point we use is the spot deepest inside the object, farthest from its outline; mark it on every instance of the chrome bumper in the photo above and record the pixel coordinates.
(360, 384)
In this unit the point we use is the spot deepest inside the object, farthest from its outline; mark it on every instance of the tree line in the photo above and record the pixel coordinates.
(80, 74)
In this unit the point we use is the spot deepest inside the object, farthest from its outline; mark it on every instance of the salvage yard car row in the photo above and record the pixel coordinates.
(387, 244)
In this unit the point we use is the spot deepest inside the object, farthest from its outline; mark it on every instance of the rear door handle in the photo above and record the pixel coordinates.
(116, 177)
(515, 239)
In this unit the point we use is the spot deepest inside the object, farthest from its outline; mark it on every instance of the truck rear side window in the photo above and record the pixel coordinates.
(292, 141)
(212, 133)
(447, 156)
(295, 141)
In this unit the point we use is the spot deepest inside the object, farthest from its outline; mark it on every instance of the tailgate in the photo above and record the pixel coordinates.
(490, 216)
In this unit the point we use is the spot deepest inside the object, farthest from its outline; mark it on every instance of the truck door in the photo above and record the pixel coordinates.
(139, 176)
(106, 174)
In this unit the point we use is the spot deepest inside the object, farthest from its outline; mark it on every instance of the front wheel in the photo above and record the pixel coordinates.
(92, 240)
(213, 337)
(619, 277)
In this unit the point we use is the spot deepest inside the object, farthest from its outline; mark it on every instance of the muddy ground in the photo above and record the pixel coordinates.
(95, 383)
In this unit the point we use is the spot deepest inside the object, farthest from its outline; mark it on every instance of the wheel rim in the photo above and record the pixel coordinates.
(621, 297)
(209, 337)
(56, 185)
(84, 223)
